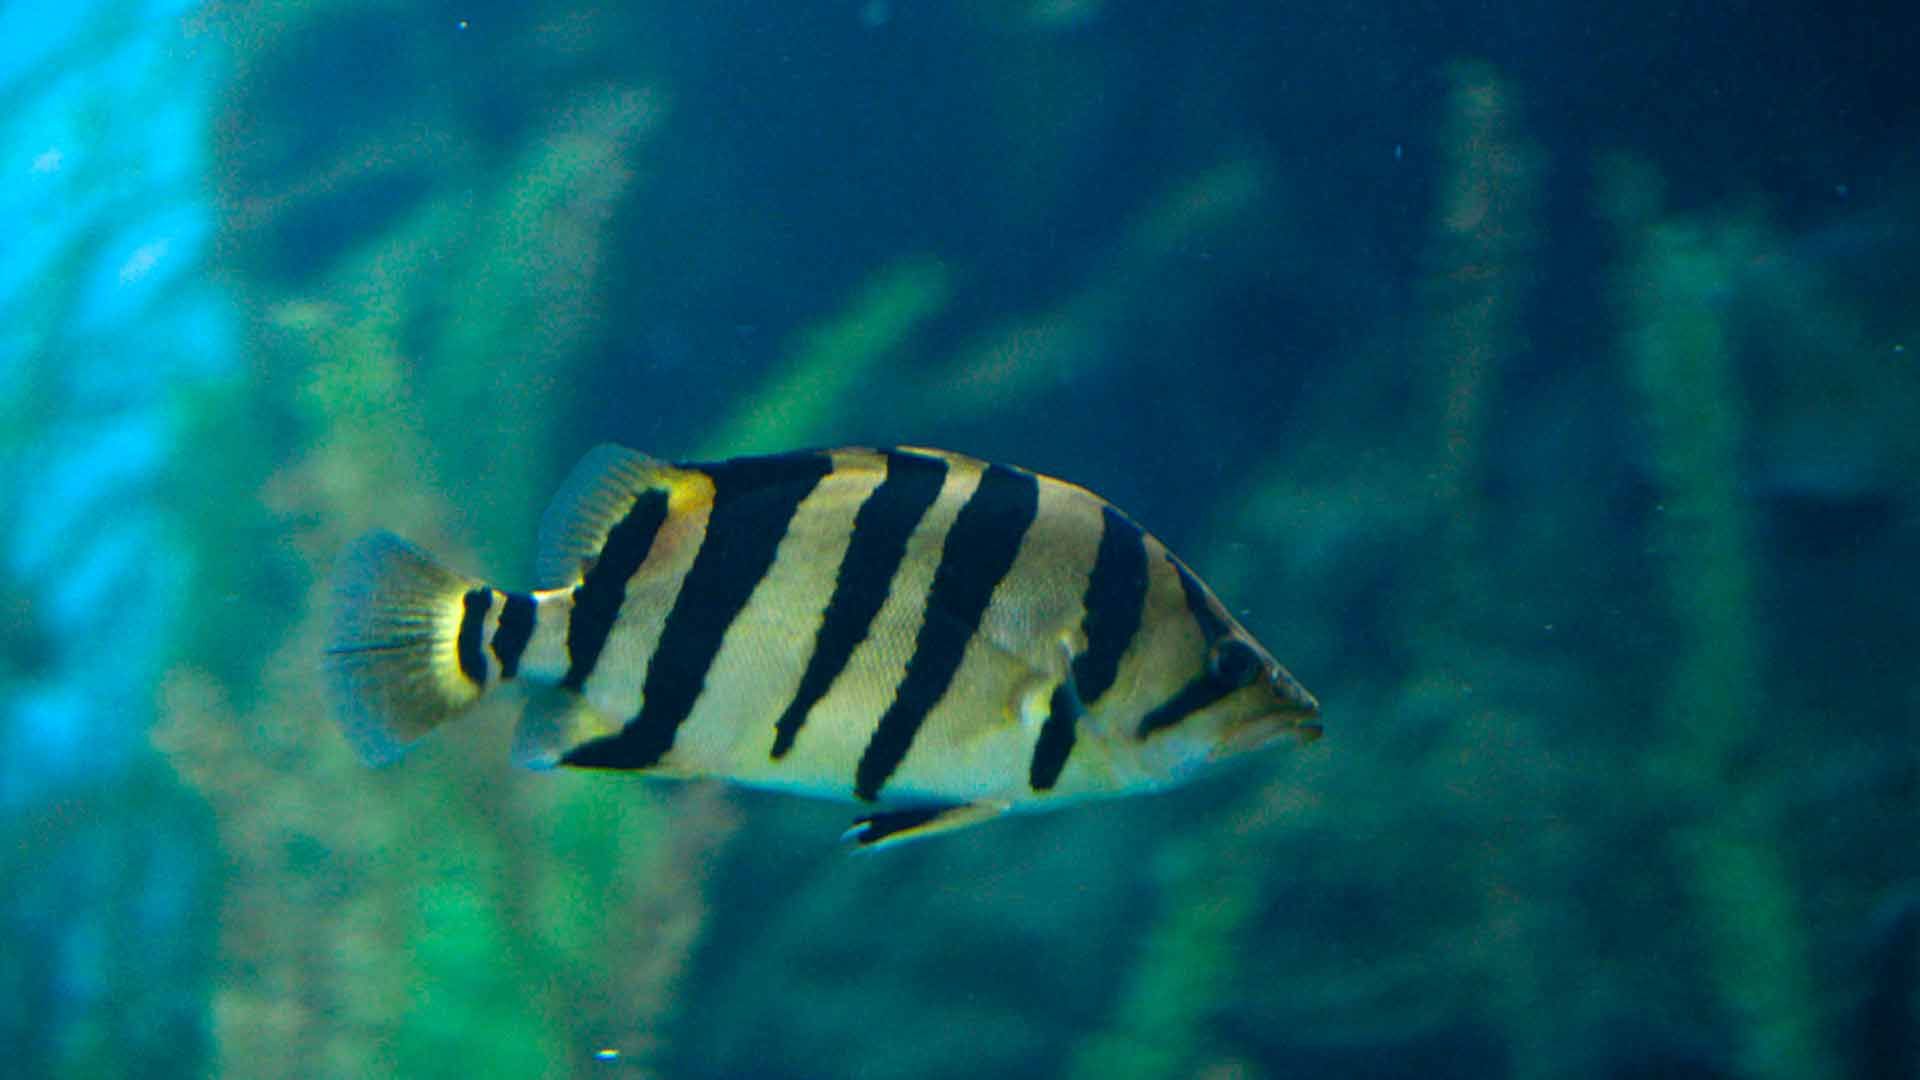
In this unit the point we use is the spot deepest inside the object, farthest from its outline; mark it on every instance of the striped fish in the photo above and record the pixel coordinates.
(932, 636)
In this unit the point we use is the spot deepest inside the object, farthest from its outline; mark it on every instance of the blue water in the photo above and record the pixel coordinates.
(1537, 385)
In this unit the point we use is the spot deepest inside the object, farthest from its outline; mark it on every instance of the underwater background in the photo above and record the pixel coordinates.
(1541, 385)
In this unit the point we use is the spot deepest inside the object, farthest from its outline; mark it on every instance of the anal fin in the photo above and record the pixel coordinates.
(899, 826)
(556, 721)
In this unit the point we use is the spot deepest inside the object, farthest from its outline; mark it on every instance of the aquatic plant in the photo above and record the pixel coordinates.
(1729, 847)
(1139, 288)
(1161, 1019)
(1329, 328)
(805, 400)
(1196, 966)
(424, 928)
(1481, 266)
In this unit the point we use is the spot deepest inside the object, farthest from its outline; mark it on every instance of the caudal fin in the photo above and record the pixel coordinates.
(402, 655)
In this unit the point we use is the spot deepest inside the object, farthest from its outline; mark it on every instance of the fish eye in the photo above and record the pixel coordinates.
(1232, 662)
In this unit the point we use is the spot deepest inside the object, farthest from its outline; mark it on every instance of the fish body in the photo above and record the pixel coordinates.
(935, 637)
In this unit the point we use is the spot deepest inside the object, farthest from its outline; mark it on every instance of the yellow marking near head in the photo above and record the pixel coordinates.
(687, 491)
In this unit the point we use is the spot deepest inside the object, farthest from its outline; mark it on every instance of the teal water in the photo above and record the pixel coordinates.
(1538, 386)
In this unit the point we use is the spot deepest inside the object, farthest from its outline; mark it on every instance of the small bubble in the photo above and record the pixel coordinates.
(461, 24)
(1399, 151)
(606, 1053)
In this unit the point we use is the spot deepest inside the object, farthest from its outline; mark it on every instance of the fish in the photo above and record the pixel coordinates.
(937, 639)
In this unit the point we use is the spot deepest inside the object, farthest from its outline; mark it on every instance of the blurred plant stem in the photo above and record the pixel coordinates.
(803, 400)
(1480, 267)
(1163, 269)
(1478, 278)
(1159, 1029)
(1730, 851)
(522, 305)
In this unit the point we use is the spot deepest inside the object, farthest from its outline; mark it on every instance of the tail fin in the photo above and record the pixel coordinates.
(402, 625)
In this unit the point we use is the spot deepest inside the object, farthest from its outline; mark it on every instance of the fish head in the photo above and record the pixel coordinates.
(1264, 701)
(1240, 700)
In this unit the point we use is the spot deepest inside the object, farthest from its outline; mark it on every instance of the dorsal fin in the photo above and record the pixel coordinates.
(596, 495)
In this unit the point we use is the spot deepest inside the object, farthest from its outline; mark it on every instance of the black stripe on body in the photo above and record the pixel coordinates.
(881, 529)
(1056, 739)
(978, 552)
(1204, 689)
(1115, 598)
(515, 630)
(1211, 625)
(473, 660)
(754, 500)
(596, 600)
(1200, 692)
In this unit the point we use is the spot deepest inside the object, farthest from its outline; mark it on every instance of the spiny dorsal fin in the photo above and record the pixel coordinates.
(393, 661)
(876, 831)
(597, 494)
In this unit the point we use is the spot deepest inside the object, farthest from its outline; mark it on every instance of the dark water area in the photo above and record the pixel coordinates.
(1538, 385)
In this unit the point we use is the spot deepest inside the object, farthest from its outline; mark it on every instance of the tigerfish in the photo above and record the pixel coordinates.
(937, 638)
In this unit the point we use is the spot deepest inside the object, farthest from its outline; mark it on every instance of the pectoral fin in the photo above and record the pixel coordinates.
(899, 826)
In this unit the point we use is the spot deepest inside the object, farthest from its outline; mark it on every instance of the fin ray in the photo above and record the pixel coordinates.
(393, 664)
(555, 722)
(596, 494)
(891, 828)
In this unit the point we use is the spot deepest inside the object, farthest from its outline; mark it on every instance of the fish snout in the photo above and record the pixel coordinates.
(1293, 697)
(1297, 703)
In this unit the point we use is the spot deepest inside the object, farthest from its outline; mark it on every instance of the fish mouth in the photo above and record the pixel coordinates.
(1296, 716)
(1262, 732)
